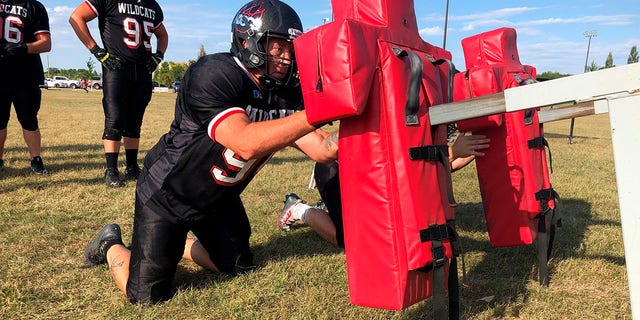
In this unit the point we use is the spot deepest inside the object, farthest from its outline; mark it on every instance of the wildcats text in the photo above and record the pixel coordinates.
(10, 9)
(132, 9)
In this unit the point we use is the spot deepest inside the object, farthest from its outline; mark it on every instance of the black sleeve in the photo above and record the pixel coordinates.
(41, 19)
(213, 86)
(159, 16)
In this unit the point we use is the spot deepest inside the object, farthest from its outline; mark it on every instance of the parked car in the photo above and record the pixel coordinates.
(63, 82)
(176, 86)
(96, 83)
(159, 87)
(46, 83)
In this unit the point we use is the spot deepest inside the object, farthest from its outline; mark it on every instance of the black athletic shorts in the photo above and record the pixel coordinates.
(26, 101)
(328, 183)
(158, 243)
(126, 94)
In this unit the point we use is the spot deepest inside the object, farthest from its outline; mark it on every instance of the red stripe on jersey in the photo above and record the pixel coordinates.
(219, 118)
(91, 7)
(42, 32)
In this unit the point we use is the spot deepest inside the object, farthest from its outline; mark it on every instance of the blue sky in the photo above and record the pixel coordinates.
(550, 33)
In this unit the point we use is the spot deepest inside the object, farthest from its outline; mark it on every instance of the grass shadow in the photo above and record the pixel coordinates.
(299, 243)
(77, 158)
(187, 278)
(566, 136)
(302, 242)
(506, 272)
(283, 159)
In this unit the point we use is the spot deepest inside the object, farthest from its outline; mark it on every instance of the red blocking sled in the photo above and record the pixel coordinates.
(517, 196)
(371, 69)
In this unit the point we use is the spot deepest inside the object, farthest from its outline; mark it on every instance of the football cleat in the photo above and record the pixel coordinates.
(95, 253)
(37, 166)
(112, 178)
(132, 172)
(286, 218)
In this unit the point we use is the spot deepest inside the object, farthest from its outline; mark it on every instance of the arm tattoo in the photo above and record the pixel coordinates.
(331, 141)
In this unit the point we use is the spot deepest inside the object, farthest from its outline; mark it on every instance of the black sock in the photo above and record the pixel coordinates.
(132, 157)
(112, 160)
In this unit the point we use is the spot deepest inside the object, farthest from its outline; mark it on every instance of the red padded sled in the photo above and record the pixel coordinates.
(513, 175)
(371, 69)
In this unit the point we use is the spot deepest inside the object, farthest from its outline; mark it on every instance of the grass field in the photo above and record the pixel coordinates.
(46, 221)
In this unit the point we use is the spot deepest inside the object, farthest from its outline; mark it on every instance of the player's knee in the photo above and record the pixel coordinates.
(244, 263)
(152, 294)
(134, 134)
(240, 264)
(30, 124)
(112, 134)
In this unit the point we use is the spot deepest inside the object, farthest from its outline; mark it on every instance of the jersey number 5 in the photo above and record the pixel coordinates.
(132, 28)
(9, 29)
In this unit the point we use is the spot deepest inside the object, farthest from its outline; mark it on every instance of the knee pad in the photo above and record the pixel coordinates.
(244, 263)
(28, 118)
(30, 124)
(112, 134)
(135, 134)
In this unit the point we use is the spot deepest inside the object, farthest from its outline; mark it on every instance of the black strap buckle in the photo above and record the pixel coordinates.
(547, 194)
(438, 253)
(429, 153)
(537, 142)
(436, 233)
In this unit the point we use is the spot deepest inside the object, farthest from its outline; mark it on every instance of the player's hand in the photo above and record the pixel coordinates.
(154, 61)
(108, 60)
(469, 145)
(13, 50)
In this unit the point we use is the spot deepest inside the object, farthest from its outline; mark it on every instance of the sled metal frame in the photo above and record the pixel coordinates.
(615, 91)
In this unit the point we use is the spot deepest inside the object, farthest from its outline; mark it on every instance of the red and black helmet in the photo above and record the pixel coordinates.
(254, 23)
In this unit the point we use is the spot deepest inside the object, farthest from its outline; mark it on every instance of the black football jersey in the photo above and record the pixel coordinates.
(126, 26)
(20, 22)
(187, 163)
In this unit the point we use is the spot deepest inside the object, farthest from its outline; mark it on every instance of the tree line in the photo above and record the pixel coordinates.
(169, 71)
(633, 58)
(165, 75)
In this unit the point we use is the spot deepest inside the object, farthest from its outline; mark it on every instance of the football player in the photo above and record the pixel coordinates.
(326, 217)
(24, 34)
(126, 28)
(233, 111)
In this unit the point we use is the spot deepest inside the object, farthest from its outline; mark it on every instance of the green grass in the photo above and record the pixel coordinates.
(46, 221)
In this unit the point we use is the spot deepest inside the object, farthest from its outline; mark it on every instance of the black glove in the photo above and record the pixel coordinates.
(13, 50)
(154, 61)
(108, 60)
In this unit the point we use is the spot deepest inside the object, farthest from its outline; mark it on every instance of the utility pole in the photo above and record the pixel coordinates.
(588, 34)
(446, 22)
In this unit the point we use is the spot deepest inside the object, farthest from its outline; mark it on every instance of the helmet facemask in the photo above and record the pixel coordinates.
(268, 79)
(256, 25)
